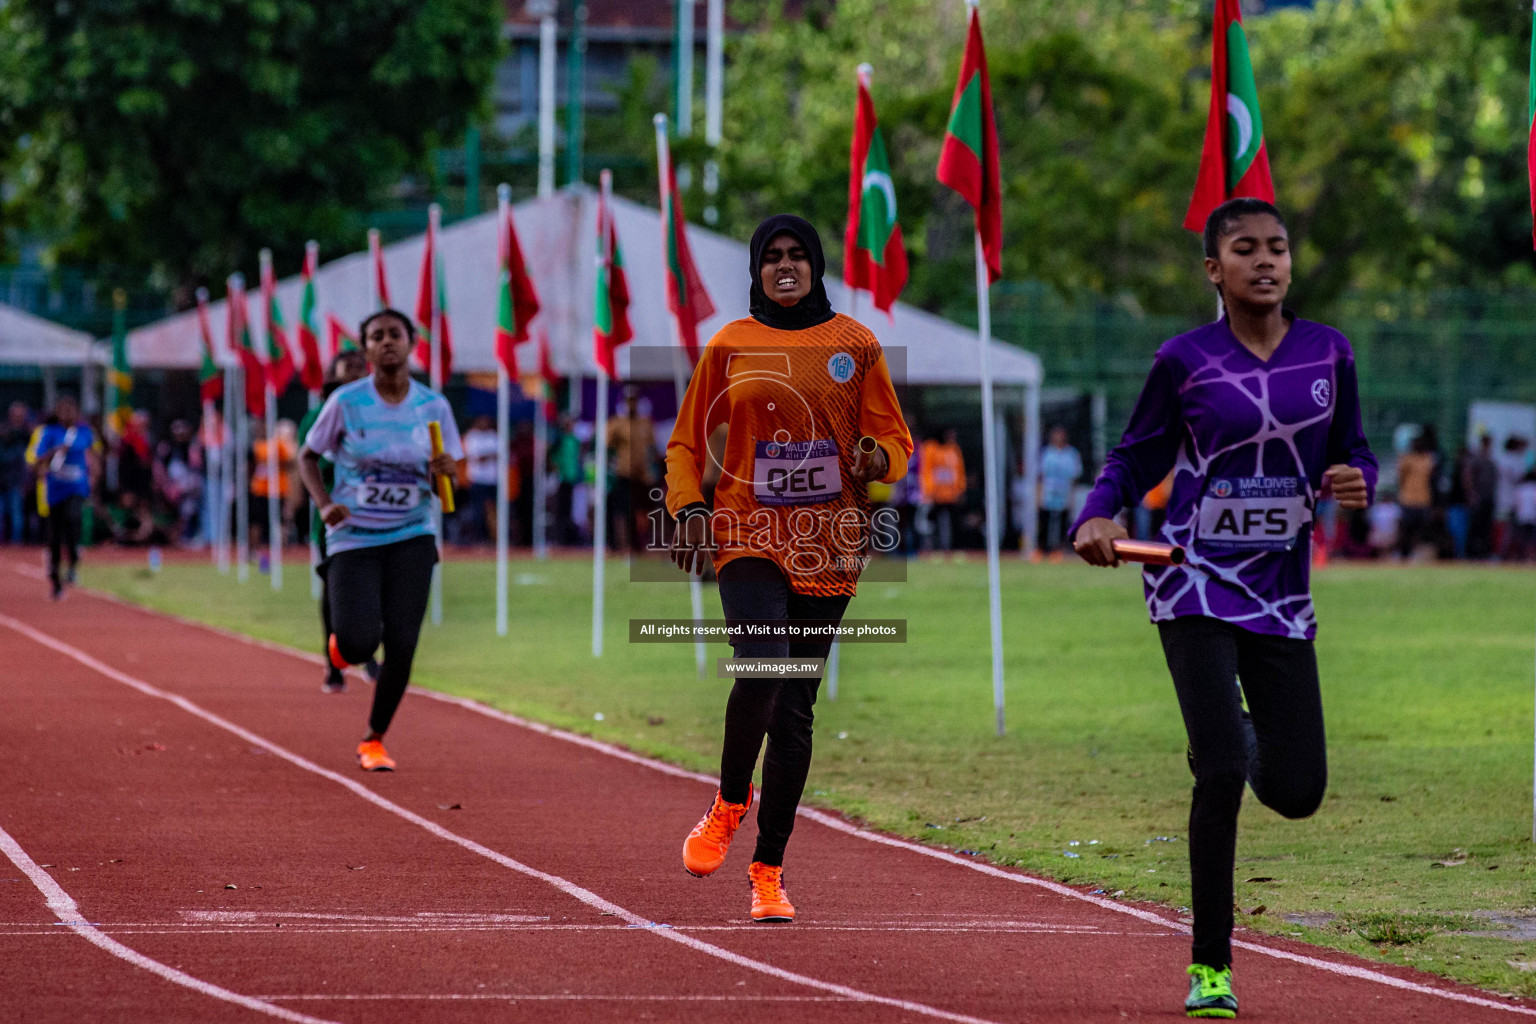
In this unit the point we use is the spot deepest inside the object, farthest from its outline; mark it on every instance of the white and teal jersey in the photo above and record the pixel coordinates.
(381, 453)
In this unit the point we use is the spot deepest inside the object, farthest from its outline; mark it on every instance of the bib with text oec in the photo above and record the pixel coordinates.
(385, 491)
(796, 473)
(1253, 513)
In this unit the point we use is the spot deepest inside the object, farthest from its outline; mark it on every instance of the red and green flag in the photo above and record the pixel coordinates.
(1234, 162)
(610, 316)
(546, 362)
(210, 379)
(122, 373)
(519, 302)
(432, 297)
(339, 337)
(313, 374)
(875, 255)
(687, 298)
(279, 358)
(380, 279)
(1530, 145)
(969, 161)
(239, 336)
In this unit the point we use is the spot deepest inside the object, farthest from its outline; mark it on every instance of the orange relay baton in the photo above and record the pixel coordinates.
(1149, 552)
(444, 485)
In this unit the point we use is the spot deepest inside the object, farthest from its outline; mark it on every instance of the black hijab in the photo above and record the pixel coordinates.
(815, 308)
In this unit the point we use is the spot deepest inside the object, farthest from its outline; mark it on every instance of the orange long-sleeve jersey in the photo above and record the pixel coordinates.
(795, 404)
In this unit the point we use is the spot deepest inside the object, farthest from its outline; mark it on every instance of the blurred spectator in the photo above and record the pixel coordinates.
(565, 462)
(178, 476)
(132, 523)
(1482, 485)
(1416, 493)
(632, 440)
(480, 451)
(943, 483)
(521, 527)
(135, 468)
(1512, 466)
(1385, 518)
(15, 435)
(1457, 512)
(1525, 518)
(1060, 467)
(286, 451)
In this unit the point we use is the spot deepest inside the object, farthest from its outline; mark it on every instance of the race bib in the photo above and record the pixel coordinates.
(388, 493)
(1254, 513)
(796, 473)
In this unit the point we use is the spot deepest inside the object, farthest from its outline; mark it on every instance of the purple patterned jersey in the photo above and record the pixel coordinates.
(1247, 442)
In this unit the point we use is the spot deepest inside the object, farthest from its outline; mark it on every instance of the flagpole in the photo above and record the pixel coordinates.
(600, 469)
(679, 374)
(240, 485)
(989, 477)
(312, 264)
(376, 252)
(435, 378)
(503, 436)
(540, 491)
(274, 498)
(221, 532)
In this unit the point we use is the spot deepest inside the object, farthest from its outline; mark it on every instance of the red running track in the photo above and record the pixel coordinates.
(185, 837)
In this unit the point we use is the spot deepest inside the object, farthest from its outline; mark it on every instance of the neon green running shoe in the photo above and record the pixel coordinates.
(1210, 992)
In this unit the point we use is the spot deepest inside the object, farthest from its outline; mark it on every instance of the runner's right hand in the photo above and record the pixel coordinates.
(333, 514)
(1095, 541)
(690, 543)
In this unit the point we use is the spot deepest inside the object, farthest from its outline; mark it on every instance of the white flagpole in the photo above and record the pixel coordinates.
(435, 378)
(989, 476)
(548, 42)
(375, 264)
(503, 436)
(226, 468)
(679, 373)
(312, 257)
(241, 485)
(274, 499)
(600, 469)
(540, 491)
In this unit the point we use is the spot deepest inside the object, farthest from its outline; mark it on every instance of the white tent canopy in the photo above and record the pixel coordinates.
(27, 340)
(558, 236)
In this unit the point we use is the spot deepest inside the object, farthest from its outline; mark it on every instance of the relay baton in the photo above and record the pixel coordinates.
(444, 485)
(1149, 552)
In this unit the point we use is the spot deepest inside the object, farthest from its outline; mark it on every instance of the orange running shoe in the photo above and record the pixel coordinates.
(770, 903)
(706, 846)
(371, 757)
(337, 660)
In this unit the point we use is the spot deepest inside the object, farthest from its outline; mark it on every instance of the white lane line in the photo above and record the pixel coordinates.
(586, 896)
(68, 912)
(839, 825)
(565, 997)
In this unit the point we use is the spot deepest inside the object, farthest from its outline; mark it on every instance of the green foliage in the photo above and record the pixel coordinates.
(182, 135)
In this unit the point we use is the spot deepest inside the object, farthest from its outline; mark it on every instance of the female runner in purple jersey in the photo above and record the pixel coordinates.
(1258, 416)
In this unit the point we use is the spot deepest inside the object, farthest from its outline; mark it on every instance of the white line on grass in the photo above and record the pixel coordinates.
(571, 889)
(837, 824)
(68, 912)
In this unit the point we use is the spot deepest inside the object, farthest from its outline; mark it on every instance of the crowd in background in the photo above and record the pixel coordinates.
(1477, 503)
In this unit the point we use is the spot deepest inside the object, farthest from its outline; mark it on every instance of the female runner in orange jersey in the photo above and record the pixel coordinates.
(798, 386)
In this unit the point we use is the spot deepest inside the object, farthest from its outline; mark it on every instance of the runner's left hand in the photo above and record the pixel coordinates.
(869, 468)
(1347, 486)
(443, 465)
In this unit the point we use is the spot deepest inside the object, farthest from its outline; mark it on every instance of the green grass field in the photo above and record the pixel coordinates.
(1421, 853)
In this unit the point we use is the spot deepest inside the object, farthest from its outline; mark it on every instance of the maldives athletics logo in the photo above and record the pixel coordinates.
(1222, 488)
(1245, 127)
(1322, 391)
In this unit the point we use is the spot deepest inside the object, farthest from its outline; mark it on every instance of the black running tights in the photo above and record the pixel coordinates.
(1289, 770)
(780, 709)
(64, 535)
(380, 594)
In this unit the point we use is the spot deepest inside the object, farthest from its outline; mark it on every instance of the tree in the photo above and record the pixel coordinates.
(182, 135)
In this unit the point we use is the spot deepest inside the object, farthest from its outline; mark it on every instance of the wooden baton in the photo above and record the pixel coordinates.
(444, 485)
(1149, 552)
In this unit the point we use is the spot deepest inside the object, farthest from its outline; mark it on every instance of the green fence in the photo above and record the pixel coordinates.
(1422, 359)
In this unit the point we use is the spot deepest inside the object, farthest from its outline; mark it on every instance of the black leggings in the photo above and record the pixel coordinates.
(781, 709)
(64, 534)
(1288, 768)
(380, 594)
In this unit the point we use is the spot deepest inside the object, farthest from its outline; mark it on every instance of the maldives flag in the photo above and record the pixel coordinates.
(279, 366)
(210, 380)
(874, 255)
(969, 161)
(546, 363)
(519, 302)
(338, 337)
(610, 316)
(432, 297)
(687, 298)
(1234, 161)
(313, 374)
(239, 336)
(380, 279)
